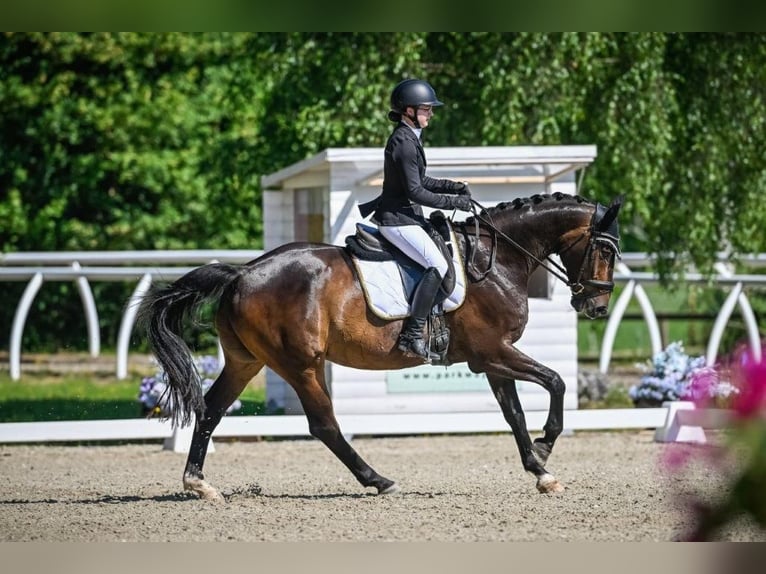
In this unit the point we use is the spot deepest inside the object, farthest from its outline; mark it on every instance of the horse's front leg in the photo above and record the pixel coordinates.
(502, 378)
(508, 399)
(527, 369)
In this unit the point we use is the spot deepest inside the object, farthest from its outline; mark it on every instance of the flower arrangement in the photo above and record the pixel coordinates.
(673, 375)
(153, 395)
(668, 376)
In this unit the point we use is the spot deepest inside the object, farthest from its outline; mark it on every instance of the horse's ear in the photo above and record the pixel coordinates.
(610, 216)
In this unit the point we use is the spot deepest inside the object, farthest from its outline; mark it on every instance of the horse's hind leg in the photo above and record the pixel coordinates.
(508, 398)
(319, 411)
(235, 376)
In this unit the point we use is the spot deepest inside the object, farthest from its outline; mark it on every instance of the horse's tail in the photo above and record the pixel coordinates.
(162, 313)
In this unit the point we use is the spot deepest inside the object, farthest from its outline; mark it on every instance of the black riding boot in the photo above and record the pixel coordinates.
(411, 337)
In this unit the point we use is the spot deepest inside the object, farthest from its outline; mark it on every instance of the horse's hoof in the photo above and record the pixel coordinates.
(548, 483)
(211, 495)
(393, 489)
(203, 490)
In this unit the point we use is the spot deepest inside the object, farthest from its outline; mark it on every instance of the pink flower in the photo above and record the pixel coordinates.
(702, 386)
(750, 400)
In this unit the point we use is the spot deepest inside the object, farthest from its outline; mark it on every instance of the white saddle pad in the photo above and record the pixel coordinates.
(384, 292)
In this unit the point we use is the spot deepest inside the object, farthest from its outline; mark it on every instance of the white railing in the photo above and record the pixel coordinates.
(144, 267)
(673, 422)
(724, 277)
(178, 439)
(85, 266)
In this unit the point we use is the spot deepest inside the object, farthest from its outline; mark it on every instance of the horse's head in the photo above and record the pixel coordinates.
(590, 260)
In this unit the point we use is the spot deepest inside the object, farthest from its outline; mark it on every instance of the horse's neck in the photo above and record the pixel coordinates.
(542, 229)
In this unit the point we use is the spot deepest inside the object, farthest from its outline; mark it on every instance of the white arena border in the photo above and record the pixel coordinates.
(297, 426)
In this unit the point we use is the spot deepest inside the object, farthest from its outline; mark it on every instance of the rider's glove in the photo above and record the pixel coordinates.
(462, 202)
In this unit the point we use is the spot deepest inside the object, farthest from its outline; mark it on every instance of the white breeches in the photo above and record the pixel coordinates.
(416, 244)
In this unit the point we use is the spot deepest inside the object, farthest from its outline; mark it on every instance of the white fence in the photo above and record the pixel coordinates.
(725, 277)
(673, 422)
(85, 266)
(297, 426)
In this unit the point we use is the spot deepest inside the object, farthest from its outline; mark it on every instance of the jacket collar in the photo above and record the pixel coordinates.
(416, 132)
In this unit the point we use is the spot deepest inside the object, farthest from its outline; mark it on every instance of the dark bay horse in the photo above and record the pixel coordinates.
(300, 305)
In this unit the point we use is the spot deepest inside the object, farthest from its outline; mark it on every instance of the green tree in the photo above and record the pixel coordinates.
(124, 141)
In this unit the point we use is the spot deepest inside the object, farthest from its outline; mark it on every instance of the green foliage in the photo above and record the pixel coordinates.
(118, 141)
(616, 397)
(128, 141)
(713, 196)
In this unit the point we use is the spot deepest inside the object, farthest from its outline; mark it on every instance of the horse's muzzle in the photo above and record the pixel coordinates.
(596, 312)
(587, 307)
(586, 302)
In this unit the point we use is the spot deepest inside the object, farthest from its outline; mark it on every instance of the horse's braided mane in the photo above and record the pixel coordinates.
(528, 202)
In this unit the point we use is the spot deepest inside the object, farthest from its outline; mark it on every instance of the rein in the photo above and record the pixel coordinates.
(552, 267)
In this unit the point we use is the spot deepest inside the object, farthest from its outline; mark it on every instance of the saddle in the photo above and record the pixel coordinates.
(368, 245)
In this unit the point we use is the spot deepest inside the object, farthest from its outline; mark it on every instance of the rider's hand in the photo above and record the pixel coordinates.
(464, 190)
(462, 202)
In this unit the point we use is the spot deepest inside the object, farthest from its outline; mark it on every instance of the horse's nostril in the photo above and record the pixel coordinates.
(601, 311)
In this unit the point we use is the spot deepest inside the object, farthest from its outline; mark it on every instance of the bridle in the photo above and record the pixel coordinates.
(596, 239)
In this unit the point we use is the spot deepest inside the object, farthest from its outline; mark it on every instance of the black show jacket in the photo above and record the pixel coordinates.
(405, 184)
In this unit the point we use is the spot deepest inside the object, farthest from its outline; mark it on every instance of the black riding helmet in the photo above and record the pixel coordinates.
(411, 93)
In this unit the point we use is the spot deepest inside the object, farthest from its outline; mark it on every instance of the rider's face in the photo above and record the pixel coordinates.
(424, 115)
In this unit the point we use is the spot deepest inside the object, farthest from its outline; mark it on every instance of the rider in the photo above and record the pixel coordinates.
(398, 211)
